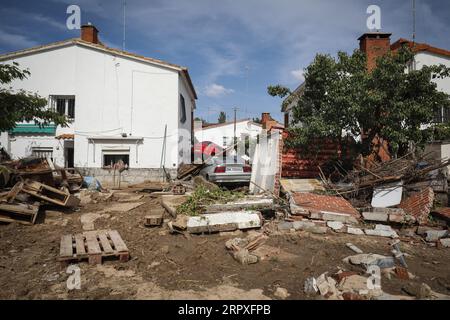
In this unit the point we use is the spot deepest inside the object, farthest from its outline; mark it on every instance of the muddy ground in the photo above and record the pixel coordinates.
(166, 266)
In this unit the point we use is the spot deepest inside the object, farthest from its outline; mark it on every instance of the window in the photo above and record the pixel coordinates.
(40, 152)
(182, 109)
(61, 106)
(64, 105)
(441, 115)
(71, 108)
(109, 160)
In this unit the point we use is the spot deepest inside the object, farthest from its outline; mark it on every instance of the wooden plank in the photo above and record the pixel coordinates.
(14, 191)
(80, 244)
(66, 248)
(105, 243)
(19, 209)
(117, 241)
(92, 244)
(10, 220)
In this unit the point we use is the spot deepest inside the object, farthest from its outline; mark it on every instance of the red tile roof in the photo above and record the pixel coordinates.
(419, 47)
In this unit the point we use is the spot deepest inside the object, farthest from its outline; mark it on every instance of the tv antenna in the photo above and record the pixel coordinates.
(124, 25)
(414, 20)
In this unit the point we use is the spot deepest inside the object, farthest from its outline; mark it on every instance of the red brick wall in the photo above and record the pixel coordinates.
(301, 164)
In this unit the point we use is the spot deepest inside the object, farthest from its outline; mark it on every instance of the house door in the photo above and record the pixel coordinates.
(69, 158)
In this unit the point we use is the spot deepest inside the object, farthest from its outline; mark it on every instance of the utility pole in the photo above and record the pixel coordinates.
(235, 113)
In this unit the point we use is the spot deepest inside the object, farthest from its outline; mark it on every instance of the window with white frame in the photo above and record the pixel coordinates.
(42, 152)
(113, 157)
(64, 105)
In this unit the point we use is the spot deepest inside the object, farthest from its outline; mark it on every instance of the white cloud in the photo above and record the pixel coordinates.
(40, 18)
(299, 75)
(216, 90)
(16, 40)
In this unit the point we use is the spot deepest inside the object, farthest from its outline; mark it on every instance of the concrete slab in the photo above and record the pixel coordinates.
(386, 196)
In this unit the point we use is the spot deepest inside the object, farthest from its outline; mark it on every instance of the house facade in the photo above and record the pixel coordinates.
(222, 134)
(122, 107)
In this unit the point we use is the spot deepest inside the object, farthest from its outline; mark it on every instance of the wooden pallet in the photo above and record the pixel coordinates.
(50, 194)
(18, 212)
(92, 245)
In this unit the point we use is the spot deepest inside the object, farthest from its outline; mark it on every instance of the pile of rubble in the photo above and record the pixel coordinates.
(30, 182)
(403, 196)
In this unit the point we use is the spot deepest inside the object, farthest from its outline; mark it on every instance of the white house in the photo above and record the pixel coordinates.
(222, 134)
(123, 106)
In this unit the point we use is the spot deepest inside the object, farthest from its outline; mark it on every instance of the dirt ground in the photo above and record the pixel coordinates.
(166, 266)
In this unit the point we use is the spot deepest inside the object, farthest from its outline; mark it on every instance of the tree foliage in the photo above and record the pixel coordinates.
(222, 117)
(341, 96)
(18, 106)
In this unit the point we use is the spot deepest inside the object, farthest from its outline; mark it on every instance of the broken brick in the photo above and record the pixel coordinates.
(402, 273)
(329, 206)
(419, 205)
(342, 275)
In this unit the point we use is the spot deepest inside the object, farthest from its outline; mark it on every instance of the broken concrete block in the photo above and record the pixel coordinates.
(309, 226)
(382, 231)
(368, 259)
(355, 231)
(249, 203)
(281, 293)
(302, 225)
(310, 286)
(354, 248)
(375, 216)
(341, 217)
(244, 257)
(316, 215)
(435, 235)
(224, 221)
(336, 225)
(445, 242)
(389, 210)
(285, 226)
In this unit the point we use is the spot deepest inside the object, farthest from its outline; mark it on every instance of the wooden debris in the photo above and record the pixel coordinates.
(50, 194)
(155, 218)
(19, 212)
(93, 246)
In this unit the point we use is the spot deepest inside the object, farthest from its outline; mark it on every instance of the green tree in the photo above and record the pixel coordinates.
(340, 95)
(21, 105)
(200, 119)
(222, 117)
(257, 120)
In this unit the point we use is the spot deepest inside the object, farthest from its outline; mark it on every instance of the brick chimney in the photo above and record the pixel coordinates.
(374, 45)
(89, 33)
(267, 121)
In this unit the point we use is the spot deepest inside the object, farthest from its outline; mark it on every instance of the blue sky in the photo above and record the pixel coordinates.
(233, 49)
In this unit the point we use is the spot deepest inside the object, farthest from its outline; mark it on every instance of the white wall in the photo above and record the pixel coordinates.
(216, 134)
(429, 59)
(114, 95)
